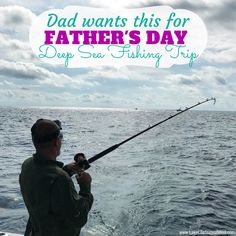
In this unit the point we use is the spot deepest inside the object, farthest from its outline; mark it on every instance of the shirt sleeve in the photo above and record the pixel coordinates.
(66, 202)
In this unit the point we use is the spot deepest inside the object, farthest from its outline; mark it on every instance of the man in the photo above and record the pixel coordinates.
(54, 206)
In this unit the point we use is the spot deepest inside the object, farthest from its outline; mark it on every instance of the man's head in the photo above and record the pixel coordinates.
(46, 136)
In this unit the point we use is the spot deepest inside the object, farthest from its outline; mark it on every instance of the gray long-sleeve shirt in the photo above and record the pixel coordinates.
(55, 208)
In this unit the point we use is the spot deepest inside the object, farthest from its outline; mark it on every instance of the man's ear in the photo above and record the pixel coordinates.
(56, 142)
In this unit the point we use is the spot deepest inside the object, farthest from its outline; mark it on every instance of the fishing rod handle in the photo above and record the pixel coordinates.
(103, 153)
(85, 164)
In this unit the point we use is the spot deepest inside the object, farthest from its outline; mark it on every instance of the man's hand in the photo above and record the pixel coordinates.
(81, 161)
(79, 157)
(72, 168)
(84, 178)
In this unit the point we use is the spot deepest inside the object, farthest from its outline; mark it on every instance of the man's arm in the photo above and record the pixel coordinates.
(67, 202)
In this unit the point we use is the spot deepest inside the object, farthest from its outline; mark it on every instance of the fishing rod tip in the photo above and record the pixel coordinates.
(214, 100)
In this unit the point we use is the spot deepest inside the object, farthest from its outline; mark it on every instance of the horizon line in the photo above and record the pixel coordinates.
(104, 108)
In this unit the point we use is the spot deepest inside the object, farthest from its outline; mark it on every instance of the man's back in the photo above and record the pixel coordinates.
(54, 206)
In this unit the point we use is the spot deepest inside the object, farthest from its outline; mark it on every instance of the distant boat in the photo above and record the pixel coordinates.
(136, 108)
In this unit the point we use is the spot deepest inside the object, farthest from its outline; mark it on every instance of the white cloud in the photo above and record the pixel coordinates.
(135, 73)
(208, 81)
(15, 50)
(42, 76)
(28, 71)
(27, 97)
(219, 17)
(210, 75)
(15, 22)
(221, 47)
(30, 97)
(213, 76)
(15, 19)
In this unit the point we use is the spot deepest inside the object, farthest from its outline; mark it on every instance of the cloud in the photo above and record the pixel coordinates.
(6, 83)
(15, 23)
(39, 6)
(96, 98)
(215, 11)
(15, 19)
(221, 48)
(30, 97)
(131, 73)
(219, 12)
(27, 71)
(219, 17)
(190, 80)
(206, 81)
(42, 84)
(224, 14)
(209, 73)
(220, 80)
(15, 50)
(42, 76)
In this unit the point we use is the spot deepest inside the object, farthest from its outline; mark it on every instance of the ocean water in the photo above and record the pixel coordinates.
(180, 176)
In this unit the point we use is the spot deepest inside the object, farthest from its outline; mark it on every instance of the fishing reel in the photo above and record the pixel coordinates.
(81, 161)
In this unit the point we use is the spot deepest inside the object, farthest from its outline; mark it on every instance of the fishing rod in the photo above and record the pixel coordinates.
(112, 148)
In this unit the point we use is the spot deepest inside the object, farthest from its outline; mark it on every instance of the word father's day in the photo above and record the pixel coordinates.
(113, 36)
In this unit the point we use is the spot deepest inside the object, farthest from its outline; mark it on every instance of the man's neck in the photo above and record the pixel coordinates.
(46, 155)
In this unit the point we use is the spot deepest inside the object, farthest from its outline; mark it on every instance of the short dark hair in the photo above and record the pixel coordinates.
(44, 131)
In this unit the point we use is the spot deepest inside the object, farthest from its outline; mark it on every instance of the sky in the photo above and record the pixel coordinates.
(27, 81)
